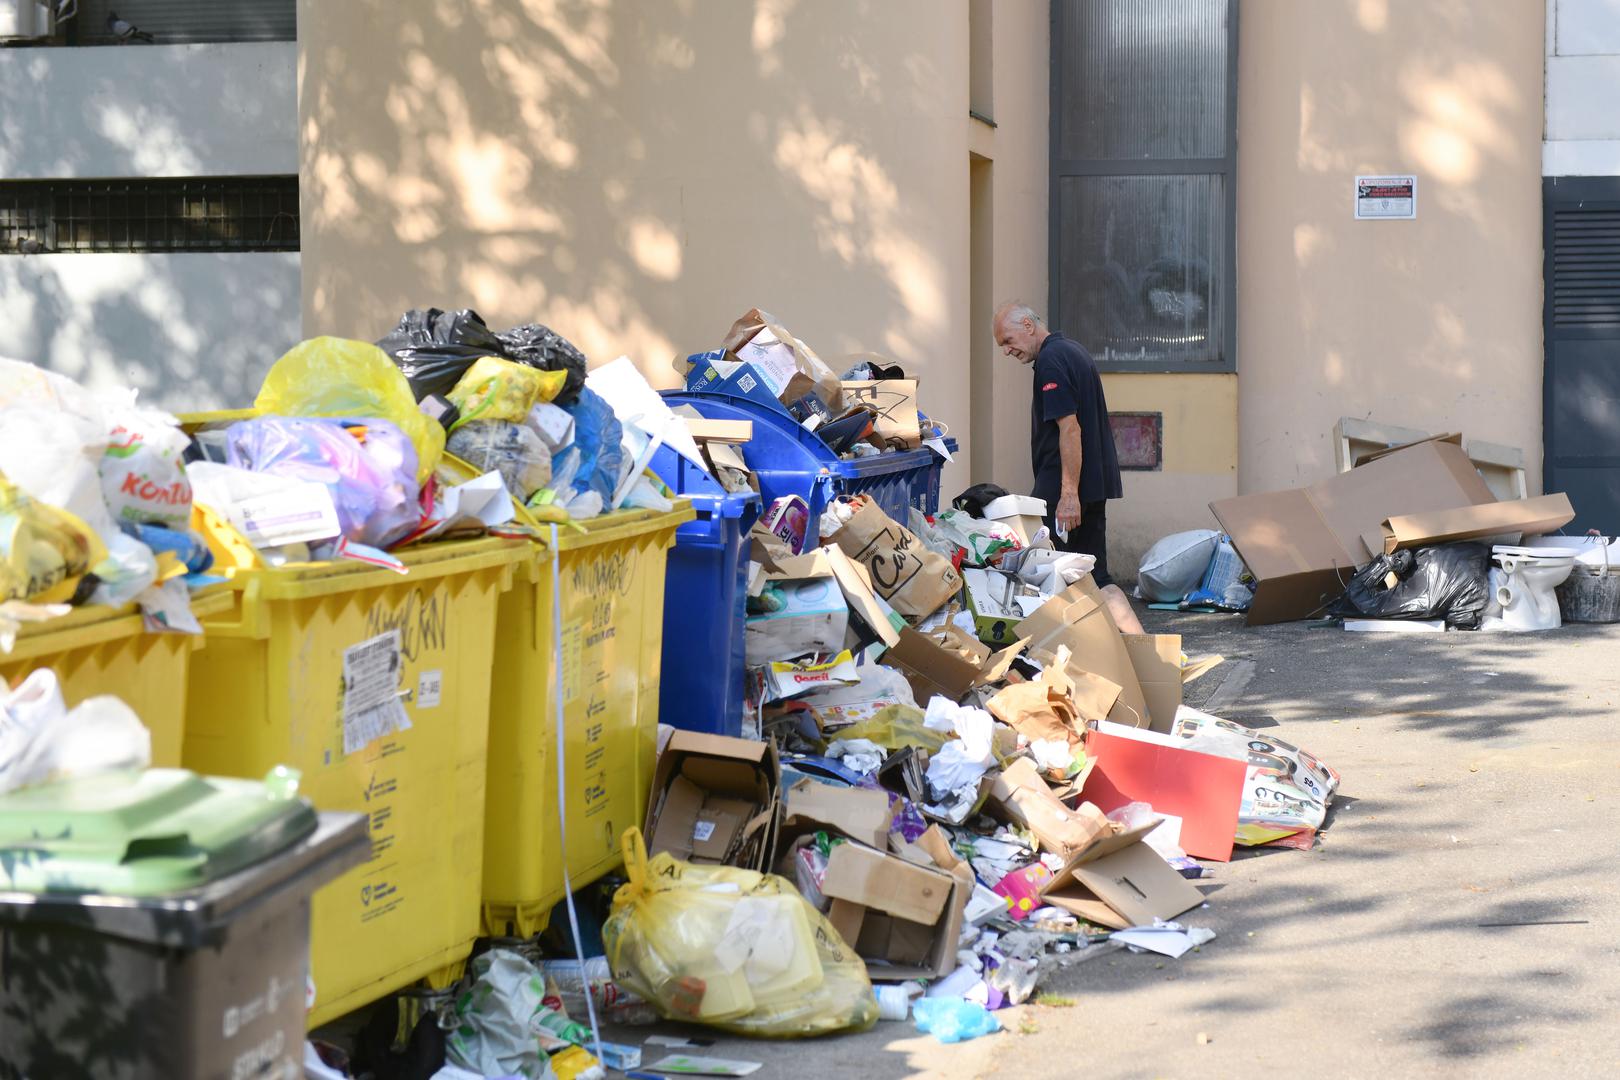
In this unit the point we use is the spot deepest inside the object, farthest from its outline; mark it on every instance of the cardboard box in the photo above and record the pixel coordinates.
(814, 619)
(1119, 882)
(903, 919)
(932, 669)
(853, 581)
(1023, 514)
(1078, 618)
(1302, 545)
(715, 799)
(1022, 795)
(859, 813)
(1204, 790)
(995, 601)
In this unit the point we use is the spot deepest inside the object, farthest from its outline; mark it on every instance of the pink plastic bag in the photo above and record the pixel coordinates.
(372, 479)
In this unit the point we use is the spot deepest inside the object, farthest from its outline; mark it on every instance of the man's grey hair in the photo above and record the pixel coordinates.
(1017, 311)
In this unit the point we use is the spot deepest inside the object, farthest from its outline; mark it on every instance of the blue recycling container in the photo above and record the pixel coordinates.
(705, 601)
(792, 461)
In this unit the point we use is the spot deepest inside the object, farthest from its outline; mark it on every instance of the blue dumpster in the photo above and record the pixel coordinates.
(705, 599)
(792, 461)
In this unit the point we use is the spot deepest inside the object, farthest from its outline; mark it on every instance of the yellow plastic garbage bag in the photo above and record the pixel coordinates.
(496, 389)
(336, 377)
(734, 949)
(44, 551)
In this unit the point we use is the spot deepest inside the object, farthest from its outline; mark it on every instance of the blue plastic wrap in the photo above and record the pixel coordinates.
(598, 443)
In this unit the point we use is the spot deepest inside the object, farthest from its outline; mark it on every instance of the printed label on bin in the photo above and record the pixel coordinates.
(372, 708)
(297, 514)
(429, 688)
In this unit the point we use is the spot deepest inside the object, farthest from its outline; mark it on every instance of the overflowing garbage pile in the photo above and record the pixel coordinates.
(957, 770)
(96, 504)
(868, 410)
(1411, 538)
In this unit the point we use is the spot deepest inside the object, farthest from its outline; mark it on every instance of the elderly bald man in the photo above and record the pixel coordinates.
(1071, 446)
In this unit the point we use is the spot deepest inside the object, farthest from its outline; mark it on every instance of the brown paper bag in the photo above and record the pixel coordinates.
(913, 579)
(895, 403)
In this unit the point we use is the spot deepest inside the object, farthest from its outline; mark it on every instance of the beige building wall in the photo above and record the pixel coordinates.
(1433, 323)
(1199, 463)
(637, 175)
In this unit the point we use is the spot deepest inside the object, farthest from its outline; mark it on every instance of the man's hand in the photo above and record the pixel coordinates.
(1068, 513)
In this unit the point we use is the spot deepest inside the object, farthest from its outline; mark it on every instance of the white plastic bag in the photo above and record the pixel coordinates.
(42, 741)
(143, 472)
(55, 457)
(1175, 565)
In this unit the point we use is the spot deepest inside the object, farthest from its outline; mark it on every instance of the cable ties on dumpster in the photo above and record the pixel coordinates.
(562, 787)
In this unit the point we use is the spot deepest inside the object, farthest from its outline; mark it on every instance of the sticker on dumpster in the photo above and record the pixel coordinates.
(429, 686)
(372, 708)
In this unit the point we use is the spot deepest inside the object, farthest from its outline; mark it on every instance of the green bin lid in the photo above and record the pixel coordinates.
(150, 833)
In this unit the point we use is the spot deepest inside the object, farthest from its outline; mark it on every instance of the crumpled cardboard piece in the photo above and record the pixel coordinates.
(1024, 797)
(947, 662)
(1046, 707)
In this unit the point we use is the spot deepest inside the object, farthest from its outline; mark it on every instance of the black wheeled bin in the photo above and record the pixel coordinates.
(156, 926)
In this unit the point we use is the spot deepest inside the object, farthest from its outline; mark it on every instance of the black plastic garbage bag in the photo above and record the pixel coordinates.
(977, 497)
(544, 348)
(1447, 581)
(435, 348)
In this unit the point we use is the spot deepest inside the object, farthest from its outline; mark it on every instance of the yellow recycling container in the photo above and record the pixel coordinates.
(97, 650)
(375, 685)
(612, 590)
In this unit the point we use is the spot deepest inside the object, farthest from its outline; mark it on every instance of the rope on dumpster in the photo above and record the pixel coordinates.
(562, 786)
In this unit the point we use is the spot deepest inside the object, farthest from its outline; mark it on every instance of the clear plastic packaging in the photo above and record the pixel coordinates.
(513, 450)
(372, 478)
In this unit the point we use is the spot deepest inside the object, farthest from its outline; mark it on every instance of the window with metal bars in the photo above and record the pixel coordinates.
(236, 213)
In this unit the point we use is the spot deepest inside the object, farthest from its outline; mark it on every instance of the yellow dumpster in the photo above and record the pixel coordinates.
(107, 650)
(376, 686)
(612, 578)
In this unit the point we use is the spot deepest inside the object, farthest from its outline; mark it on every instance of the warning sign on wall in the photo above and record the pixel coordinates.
(1386, 197)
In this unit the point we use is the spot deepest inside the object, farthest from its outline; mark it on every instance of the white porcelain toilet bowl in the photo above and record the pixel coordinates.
(1522, 587)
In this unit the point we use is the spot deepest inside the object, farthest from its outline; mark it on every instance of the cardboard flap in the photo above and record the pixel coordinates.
(1078, 618)
(1156, 658)
(1278, 533)
(859, 813)
(879, 881)
(1120, 882)
(723, 746)
(1107, 845)
(1094, 697)
(1454, 437)
(1137, 883)
(1543, 514)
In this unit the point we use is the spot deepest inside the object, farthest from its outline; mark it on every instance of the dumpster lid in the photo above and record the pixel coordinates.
(203, 916)
(145, 834)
